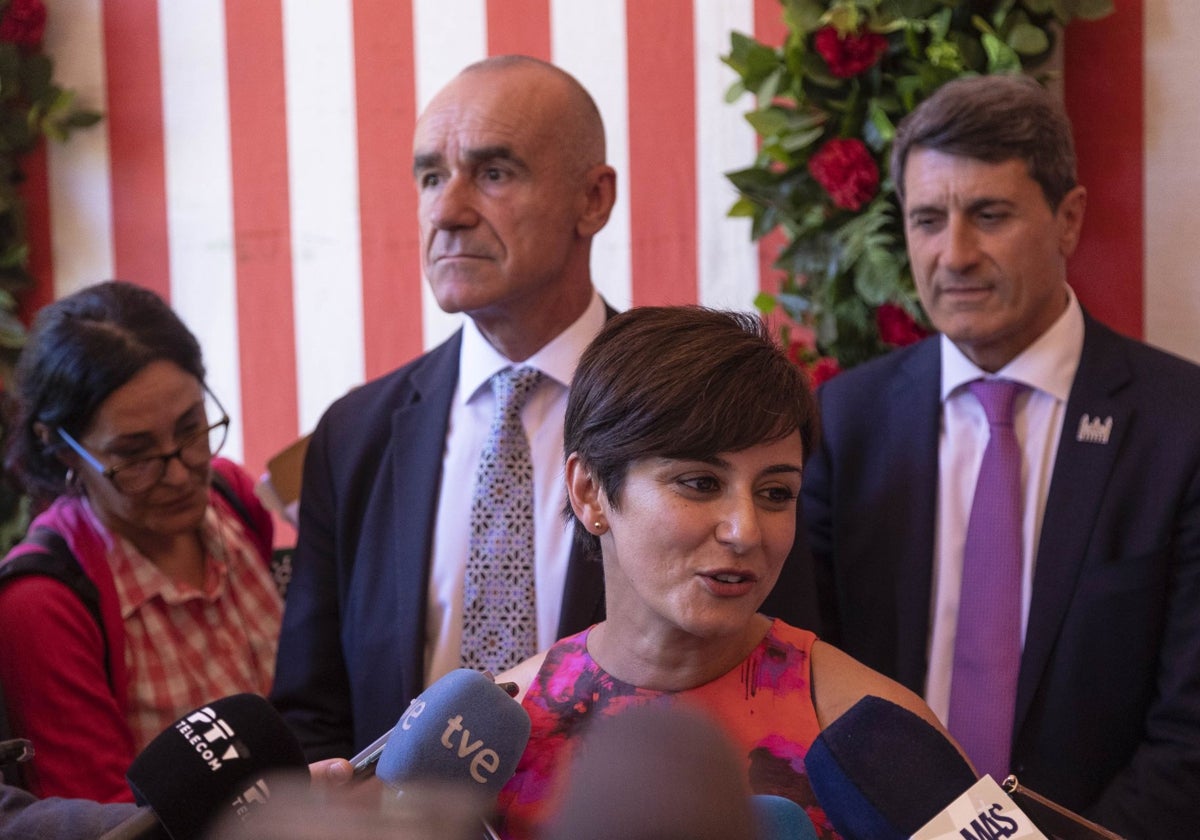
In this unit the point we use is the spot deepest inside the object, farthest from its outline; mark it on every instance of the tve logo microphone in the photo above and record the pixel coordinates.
(984, 812)
(457, 738)
(464, 729)
(211, 736)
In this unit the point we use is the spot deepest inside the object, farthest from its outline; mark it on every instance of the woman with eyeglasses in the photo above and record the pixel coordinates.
(116, 430)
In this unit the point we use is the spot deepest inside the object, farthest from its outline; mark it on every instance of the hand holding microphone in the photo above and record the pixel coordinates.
(447, 757)
(463, 730)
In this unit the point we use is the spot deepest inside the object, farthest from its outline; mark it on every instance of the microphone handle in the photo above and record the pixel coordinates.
(364, 763)
(143, 825)
(1053, 818)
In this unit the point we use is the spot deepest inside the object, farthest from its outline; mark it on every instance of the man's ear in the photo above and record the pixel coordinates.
(1070, 219)
(585, 494)
(601, 195)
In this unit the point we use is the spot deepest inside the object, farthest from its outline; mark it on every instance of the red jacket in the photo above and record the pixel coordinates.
(52, 657)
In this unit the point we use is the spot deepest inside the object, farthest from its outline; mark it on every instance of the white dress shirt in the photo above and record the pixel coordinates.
(1048, 367)
(470, 418)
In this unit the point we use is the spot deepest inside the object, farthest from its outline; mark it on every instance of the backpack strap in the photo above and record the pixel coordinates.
(222, 486)
(54, 560)
(280, 562)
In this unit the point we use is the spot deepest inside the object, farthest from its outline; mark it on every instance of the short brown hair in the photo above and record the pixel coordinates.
(993, 118)
(680, 382)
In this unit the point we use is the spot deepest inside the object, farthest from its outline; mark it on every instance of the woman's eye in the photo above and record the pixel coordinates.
(703, 483)
(780, 495)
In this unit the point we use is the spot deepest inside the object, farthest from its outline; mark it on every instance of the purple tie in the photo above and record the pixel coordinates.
(987, 645)
(499, 606)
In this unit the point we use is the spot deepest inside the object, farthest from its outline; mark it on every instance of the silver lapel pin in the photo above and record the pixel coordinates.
(1094, 430)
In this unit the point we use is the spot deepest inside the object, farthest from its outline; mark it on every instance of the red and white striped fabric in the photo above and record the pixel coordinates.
(254, 167)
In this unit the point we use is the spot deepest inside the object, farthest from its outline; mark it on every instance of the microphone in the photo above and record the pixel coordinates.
(883, 773)
(211, 762)
(464, 730)
(655, 772)
(779, 818)
(367, 760)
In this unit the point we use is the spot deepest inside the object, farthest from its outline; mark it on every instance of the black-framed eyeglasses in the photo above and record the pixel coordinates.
(138, 475)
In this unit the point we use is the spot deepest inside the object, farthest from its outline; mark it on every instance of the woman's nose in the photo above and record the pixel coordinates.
(739, 526)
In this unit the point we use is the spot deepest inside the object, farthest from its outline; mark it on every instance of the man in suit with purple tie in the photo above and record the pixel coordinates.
(1064, 644)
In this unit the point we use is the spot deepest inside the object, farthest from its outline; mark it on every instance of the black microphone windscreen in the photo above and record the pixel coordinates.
(213, 760)
(462, 730)
(881, 772)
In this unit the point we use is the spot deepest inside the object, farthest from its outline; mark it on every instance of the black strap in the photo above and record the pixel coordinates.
(281, 558)
(55, 560)
(222, 486)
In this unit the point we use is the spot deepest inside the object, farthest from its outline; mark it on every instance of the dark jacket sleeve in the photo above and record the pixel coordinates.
(22, 817)
(312, 690)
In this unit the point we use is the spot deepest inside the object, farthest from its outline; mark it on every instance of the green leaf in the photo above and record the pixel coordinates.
(765, 303)
(1001, 57)
(768, 122)
(1088, 9)
(742, 208)
(1027, 39)
(878, 130)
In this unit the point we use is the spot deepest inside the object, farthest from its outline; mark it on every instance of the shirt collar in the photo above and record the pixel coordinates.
(1048, 364)
(478, 360)
(138, 581)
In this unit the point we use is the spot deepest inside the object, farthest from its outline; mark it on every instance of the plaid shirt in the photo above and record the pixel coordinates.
(185, 647)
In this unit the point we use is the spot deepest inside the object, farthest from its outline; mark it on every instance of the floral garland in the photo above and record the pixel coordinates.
(32, 107)
(826, 106)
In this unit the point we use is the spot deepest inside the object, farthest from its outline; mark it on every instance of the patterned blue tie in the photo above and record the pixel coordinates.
(987, 646)
(499, 606)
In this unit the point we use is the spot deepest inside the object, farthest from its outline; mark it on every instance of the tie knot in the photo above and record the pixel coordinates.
(512, 387)
(997, 397)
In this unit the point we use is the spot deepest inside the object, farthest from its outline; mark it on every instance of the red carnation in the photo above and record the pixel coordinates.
(849, 56)
(897, 327)
(822, 370)
(24, 23)
(845, 168)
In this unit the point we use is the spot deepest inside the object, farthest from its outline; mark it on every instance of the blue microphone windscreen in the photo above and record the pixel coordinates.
(210, 759)
(462, 730)
(881, 772)
(779, 818)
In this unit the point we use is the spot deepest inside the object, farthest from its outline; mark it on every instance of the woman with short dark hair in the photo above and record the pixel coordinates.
(686, 432)
(118, 432)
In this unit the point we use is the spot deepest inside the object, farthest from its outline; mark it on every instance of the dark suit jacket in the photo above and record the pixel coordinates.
(351, 652)
(1108, 702)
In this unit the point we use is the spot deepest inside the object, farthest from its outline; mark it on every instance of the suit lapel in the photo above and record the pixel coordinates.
(1081, 471)
(418, 436)
(913, 417)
